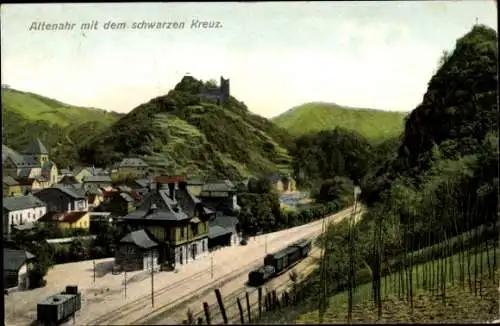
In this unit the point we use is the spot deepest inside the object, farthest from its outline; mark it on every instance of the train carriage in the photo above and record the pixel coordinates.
(261, 275)
(305, 247)
(278, 262)
(294, 255)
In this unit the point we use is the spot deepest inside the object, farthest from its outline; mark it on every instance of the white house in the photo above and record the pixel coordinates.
(21, 210)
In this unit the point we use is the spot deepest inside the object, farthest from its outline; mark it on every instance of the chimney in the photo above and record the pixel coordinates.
(152, 208)
(171, 190)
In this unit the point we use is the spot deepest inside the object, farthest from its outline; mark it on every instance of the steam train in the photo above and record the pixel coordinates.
(278, 262)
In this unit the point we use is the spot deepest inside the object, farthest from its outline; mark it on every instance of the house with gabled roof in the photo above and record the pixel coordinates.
(11, 187)
(68, 179)
(67, 220)
(81, 172)
(33, 162)
(220, 195)
(175, 219)
(21, 210)
(137, 251)
(16, 266)
(60, 198)
(96, 181)
(195, 186)
(223, 230)
(132, 166)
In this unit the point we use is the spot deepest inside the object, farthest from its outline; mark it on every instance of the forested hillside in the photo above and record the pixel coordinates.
(182, 134)
(431, 198)
(61, 127)
(375, 125)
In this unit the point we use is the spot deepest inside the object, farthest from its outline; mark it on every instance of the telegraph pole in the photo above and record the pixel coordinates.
(125, 283)
(94, 271)
(152, 282)
(212, 266)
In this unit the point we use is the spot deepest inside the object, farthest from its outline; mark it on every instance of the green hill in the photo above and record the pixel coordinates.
(34, 107)
(61, 127)
(310, 117)
(180, 133)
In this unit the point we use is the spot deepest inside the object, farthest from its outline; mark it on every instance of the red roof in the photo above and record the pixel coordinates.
(25, 181)
(110, 193)
(166, 179)
(67, 217)
(135, 195)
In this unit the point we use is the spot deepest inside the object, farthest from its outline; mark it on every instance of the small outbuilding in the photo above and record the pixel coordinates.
(223, 231)
(16, 265)
(137, 251)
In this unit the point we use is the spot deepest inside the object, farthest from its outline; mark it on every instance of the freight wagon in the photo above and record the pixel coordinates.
(279, 262)
(58, 307)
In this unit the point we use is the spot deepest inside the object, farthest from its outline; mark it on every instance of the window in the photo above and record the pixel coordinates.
(202, 245)
(182, 232)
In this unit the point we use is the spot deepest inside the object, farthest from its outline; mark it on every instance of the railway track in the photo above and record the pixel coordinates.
(279, 284)
(119, 315)
(138, 303)
(159, 313)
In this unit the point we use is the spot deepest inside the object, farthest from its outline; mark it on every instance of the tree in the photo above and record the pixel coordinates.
(43, 262)
(337, 189)
(211, 83)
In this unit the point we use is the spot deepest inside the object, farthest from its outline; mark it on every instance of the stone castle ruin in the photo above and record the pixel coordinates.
(219, 94)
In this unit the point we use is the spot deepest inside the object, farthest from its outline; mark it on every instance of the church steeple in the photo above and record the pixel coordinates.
(38, 151)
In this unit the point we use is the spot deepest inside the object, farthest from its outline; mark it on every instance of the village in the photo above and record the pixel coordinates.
(166, 221)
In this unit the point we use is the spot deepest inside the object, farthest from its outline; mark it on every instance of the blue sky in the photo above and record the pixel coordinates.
(278, 55)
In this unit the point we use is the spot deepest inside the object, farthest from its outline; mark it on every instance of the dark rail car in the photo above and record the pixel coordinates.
(260, 275)
(58, 307)
(280, 262)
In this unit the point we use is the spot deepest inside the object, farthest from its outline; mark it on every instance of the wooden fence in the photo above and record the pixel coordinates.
(247, 312)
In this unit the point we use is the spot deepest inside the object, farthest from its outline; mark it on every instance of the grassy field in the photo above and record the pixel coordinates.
(374, 124)
(36, 107)
(460, 303)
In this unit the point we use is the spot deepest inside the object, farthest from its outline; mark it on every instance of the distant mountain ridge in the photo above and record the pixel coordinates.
(375, 125)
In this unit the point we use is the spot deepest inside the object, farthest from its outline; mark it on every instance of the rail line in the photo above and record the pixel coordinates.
(231, 299)
(205, 289)
(131, 306)
(139, 303)
(225, 278)
(112, 317)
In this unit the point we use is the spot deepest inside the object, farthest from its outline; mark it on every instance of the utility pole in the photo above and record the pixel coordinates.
(152, 282)
(212, 266)
(94, 271)
(125, 283)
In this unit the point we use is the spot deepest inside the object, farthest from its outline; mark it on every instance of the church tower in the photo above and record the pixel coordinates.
(37, 152)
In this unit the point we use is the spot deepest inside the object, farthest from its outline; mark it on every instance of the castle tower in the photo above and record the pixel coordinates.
(224, 89)
(37, 151)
